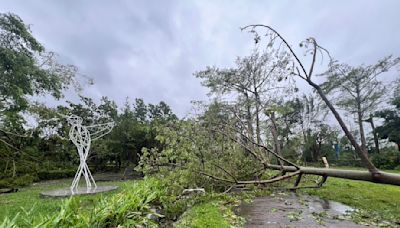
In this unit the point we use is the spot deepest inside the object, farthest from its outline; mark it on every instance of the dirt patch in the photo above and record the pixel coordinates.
(292, 210)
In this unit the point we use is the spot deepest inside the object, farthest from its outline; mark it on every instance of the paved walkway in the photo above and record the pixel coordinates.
(291, 210)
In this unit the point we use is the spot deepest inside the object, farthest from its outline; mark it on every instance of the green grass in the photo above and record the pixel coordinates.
(29, 197)
(204, 215)
(376, 200)
(126, 206)
(215, 213)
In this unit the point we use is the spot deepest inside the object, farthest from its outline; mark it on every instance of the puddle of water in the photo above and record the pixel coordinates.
(335, 206)
(290, 209)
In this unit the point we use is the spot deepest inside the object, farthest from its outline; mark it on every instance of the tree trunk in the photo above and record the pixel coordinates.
(258, 133)
(376, 141)
(249, 123)
(249, 117)
(362, 134)
(382, 177)
(258, 103)
(5, 169)
(14, 169)
(360, 151)
(319, 146)
(314, 152)
(360, 122)
(274, 131)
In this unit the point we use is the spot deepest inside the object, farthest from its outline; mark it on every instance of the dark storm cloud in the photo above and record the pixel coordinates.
(150, 49)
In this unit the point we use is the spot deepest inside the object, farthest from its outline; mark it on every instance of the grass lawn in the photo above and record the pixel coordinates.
(376, 201)
(213, 213)
(204, 215)
(28, 198)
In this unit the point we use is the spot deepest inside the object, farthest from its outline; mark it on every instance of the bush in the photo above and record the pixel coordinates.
(56, 174)
(26, 167)
(13, 182)
(389, 158)
(104, 168)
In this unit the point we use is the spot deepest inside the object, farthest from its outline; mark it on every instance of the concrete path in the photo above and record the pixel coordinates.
(291, 210)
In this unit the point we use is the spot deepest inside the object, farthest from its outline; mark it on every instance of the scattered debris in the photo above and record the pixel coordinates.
(193, 191)
(293, 210)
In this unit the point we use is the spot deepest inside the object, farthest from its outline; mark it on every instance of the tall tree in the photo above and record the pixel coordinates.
(359, 91)
(161, 113)
(140, 110)
(312, 116)
(253, 79)
(391, 127)
(26, 70)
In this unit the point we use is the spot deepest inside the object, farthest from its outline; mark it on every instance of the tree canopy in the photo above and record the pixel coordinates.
(26, 69)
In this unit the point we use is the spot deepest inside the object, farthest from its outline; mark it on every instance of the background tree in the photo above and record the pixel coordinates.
(254, 78)
(26, 70)
(42, 150)
(359, 89)
(391, 126)
(313, 114)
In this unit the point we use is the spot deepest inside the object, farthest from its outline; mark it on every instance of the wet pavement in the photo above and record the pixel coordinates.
(288, 209)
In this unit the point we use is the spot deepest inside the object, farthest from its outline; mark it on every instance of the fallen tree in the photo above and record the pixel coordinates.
(373, 174)
(296, 170)
(220, 143)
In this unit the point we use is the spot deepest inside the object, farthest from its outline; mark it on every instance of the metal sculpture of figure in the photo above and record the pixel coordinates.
(82, 137)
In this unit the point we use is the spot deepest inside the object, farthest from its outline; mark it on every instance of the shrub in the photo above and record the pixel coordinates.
(389, 158)
(55, 174)
(19, 181)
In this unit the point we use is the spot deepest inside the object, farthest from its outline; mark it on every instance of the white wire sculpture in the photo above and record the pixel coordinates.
(82, 137)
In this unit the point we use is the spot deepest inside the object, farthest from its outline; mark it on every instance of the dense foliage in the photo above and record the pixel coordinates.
(33, 138)
(27, 70)
(391, 127)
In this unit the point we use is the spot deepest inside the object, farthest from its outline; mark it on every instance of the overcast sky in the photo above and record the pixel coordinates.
(150, 49)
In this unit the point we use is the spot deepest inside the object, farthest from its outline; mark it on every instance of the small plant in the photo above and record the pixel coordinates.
(10, 223)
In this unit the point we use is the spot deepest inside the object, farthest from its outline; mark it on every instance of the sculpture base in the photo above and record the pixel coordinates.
(79, 191)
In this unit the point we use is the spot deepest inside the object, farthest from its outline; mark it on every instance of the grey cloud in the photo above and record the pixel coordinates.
(151, 49)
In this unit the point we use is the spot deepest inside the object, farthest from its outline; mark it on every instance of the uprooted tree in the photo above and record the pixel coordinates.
(299, 70)
(314, 48)
(221, 144)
